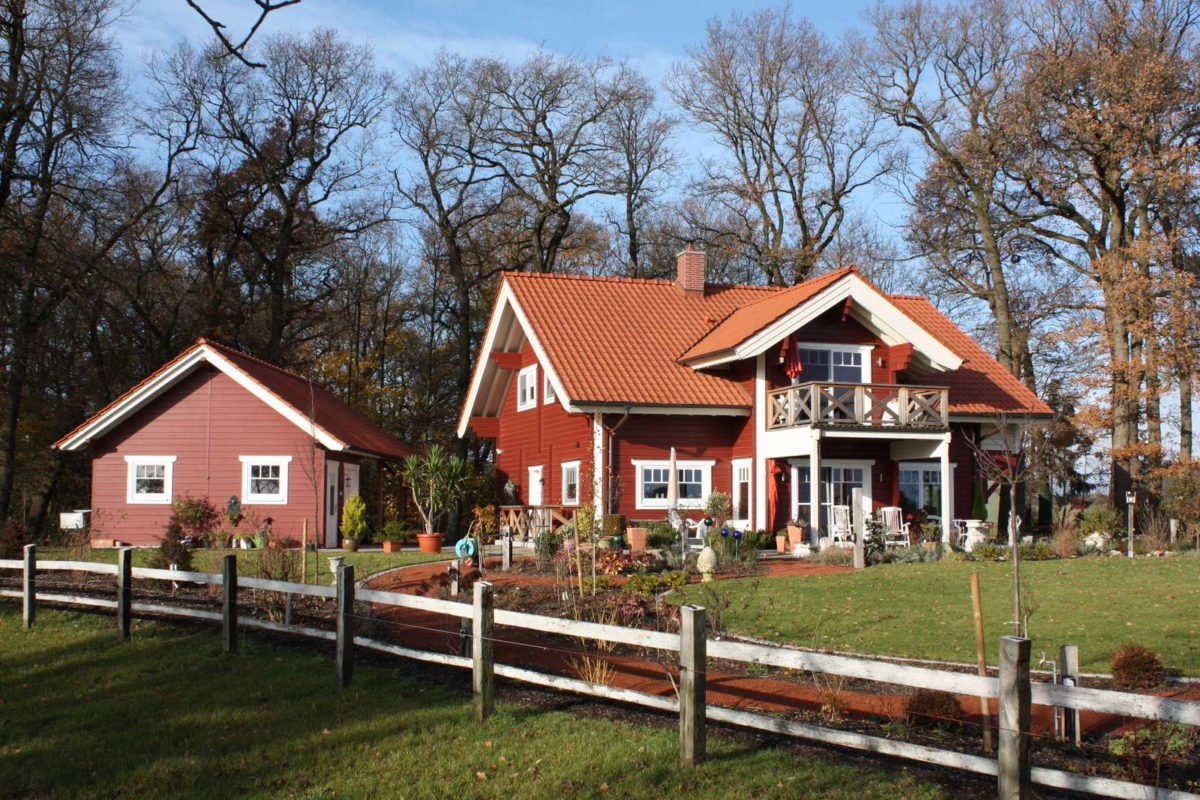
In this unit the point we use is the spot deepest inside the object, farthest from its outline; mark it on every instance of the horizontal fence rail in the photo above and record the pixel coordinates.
(482, 617)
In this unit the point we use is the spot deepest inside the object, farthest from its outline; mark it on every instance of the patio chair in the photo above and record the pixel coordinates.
(960, 531)
(896, 532)
(841, 531)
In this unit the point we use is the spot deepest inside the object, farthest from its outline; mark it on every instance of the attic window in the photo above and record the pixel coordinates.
(149, 479)
(265, 479)
(548, 394)
(527, 388)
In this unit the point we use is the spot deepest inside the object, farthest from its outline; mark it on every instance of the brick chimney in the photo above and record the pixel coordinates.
(689, 270)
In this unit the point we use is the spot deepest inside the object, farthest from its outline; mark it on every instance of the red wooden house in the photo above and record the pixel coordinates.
(216, 423)
(586, 384)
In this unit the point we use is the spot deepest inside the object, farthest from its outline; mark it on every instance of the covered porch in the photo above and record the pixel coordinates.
(913, 471)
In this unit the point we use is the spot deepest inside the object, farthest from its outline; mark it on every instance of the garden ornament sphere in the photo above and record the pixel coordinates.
(707, 563)
(724, 532)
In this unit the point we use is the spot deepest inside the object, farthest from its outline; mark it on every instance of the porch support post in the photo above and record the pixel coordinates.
(814, 483)
(598, 464)
(943, 451)
(761, 473)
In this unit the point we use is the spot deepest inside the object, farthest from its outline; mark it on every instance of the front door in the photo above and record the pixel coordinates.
(351, 471)
(838, 481)
(332, 482)
(535, 486)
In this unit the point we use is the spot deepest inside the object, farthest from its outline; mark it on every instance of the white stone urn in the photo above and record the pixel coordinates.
(706, 562)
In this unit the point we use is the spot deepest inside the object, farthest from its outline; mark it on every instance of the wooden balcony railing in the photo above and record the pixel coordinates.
(858, 405)
(526, 522)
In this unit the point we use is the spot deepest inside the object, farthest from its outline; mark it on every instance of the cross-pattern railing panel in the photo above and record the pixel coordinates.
(863, 405)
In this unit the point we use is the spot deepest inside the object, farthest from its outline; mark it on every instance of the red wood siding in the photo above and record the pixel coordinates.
(545, 435)
(206, 421)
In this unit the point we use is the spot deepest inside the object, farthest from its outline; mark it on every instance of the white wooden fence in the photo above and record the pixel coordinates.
(1013, 688)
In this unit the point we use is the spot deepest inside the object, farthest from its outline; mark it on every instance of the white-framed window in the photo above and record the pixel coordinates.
(527, 388)
(570, 483)
(265, 479)
(548, 393)
(149, 479)
(695, 483)
(741, 489)
(835, 363)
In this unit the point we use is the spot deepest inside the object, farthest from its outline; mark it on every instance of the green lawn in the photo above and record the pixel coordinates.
(924, 610)
(86, 716)
(365, 562)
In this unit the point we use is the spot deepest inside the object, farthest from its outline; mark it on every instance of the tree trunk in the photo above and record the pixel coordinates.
(1184, 374)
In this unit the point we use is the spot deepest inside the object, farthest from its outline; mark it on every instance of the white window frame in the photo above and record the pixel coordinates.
(706, 470)
(132, 463)
(549, 396)
(251, 498)
(567, 465)
(864, 349)
(741, 514)
(527, 381)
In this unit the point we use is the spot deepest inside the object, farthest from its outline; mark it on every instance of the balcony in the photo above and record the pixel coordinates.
(869, 406)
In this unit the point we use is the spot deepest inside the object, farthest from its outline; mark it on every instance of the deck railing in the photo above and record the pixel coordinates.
(526, 522)
(858, 405)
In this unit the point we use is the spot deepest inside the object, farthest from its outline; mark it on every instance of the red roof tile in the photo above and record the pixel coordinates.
(616, 340)
(329, 412)
(980, 385)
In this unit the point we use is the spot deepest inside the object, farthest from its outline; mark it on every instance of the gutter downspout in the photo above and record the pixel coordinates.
(612, 434)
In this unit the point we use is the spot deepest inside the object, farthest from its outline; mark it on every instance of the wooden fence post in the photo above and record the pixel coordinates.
(692, 669)
(1068, 657)
(483, 677)
(1015, 781)
(345, 625)
(29, 587)
(506, 550)
(229, 611)
(124, 592)
(1174, 524)
(860, 528)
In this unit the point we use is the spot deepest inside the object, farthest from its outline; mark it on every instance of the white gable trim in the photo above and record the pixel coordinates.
(505, 301)
(894, 325)
(118, 413)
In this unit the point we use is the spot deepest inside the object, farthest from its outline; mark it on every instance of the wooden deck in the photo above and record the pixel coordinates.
(859, 405)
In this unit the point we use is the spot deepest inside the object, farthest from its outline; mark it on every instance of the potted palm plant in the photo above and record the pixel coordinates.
(435, 480)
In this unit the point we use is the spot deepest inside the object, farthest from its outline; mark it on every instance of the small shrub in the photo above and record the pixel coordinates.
(614, 562)
(198, 519)
(1101, 519)
(627, 609)
(990, 552)
(1135, 667)
(719, 507)
(395, 530)
(614, 525)
(1065, 543)
(172, 549)
(14, 535)
(643, 583)
(660, 535)
(546, 546)
(1039, 551)
(354, 518)
(676, 579)
(834, 555)
(927, 708)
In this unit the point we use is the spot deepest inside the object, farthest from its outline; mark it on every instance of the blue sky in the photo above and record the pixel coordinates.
(648, 34)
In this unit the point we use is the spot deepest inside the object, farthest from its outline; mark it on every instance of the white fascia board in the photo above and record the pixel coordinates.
(684, 411)
(889, 320)
(293, 415)
(506, 301)
(115, 415)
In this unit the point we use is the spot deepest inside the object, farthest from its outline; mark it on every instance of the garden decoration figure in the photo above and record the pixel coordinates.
(707, 563)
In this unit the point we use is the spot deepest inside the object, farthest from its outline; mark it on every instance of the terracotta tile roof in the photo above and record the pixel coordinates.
(750, 319)
(331, 414)
(980, 385)
(616, 340)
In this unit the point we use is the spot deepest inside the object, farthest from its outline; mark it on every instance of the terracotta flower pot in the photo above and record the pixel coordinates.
(781, 543)
(796, 534)
(637, 539)
(429, 542)
(392, 546)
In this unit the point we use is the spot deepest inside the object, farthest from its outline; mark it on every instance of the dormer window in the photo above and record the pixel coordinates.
(527, 388)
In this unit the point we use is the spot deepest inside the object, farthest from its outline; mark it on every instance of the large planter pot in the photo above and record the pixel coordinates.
(781, 543)
(390, 546)
(637, 539)
(350, 545)
(429, 542)
(796, 534)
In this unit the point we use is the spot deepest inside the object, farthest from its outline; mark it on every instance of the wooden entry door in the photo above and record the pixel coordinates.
(535, 486)
(332, 483)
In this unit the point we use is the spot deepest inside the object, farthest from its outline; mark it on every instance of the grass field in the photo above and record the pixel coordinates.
(168, 715)
(365, 562)
(924, 610)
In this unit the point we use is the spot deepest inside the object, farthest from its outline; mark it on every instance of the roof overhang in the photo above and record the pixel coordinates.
(681, 410)
(183, 365)
(871, 308)
(507, 332)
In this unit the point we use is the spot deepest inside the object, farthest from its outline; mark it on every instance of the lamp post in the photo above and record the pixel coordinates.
(1130, 503)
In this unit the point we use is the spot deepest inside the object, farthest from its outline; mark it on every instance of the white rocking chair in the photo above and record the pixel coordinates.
(841, 530)
(896, 532)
